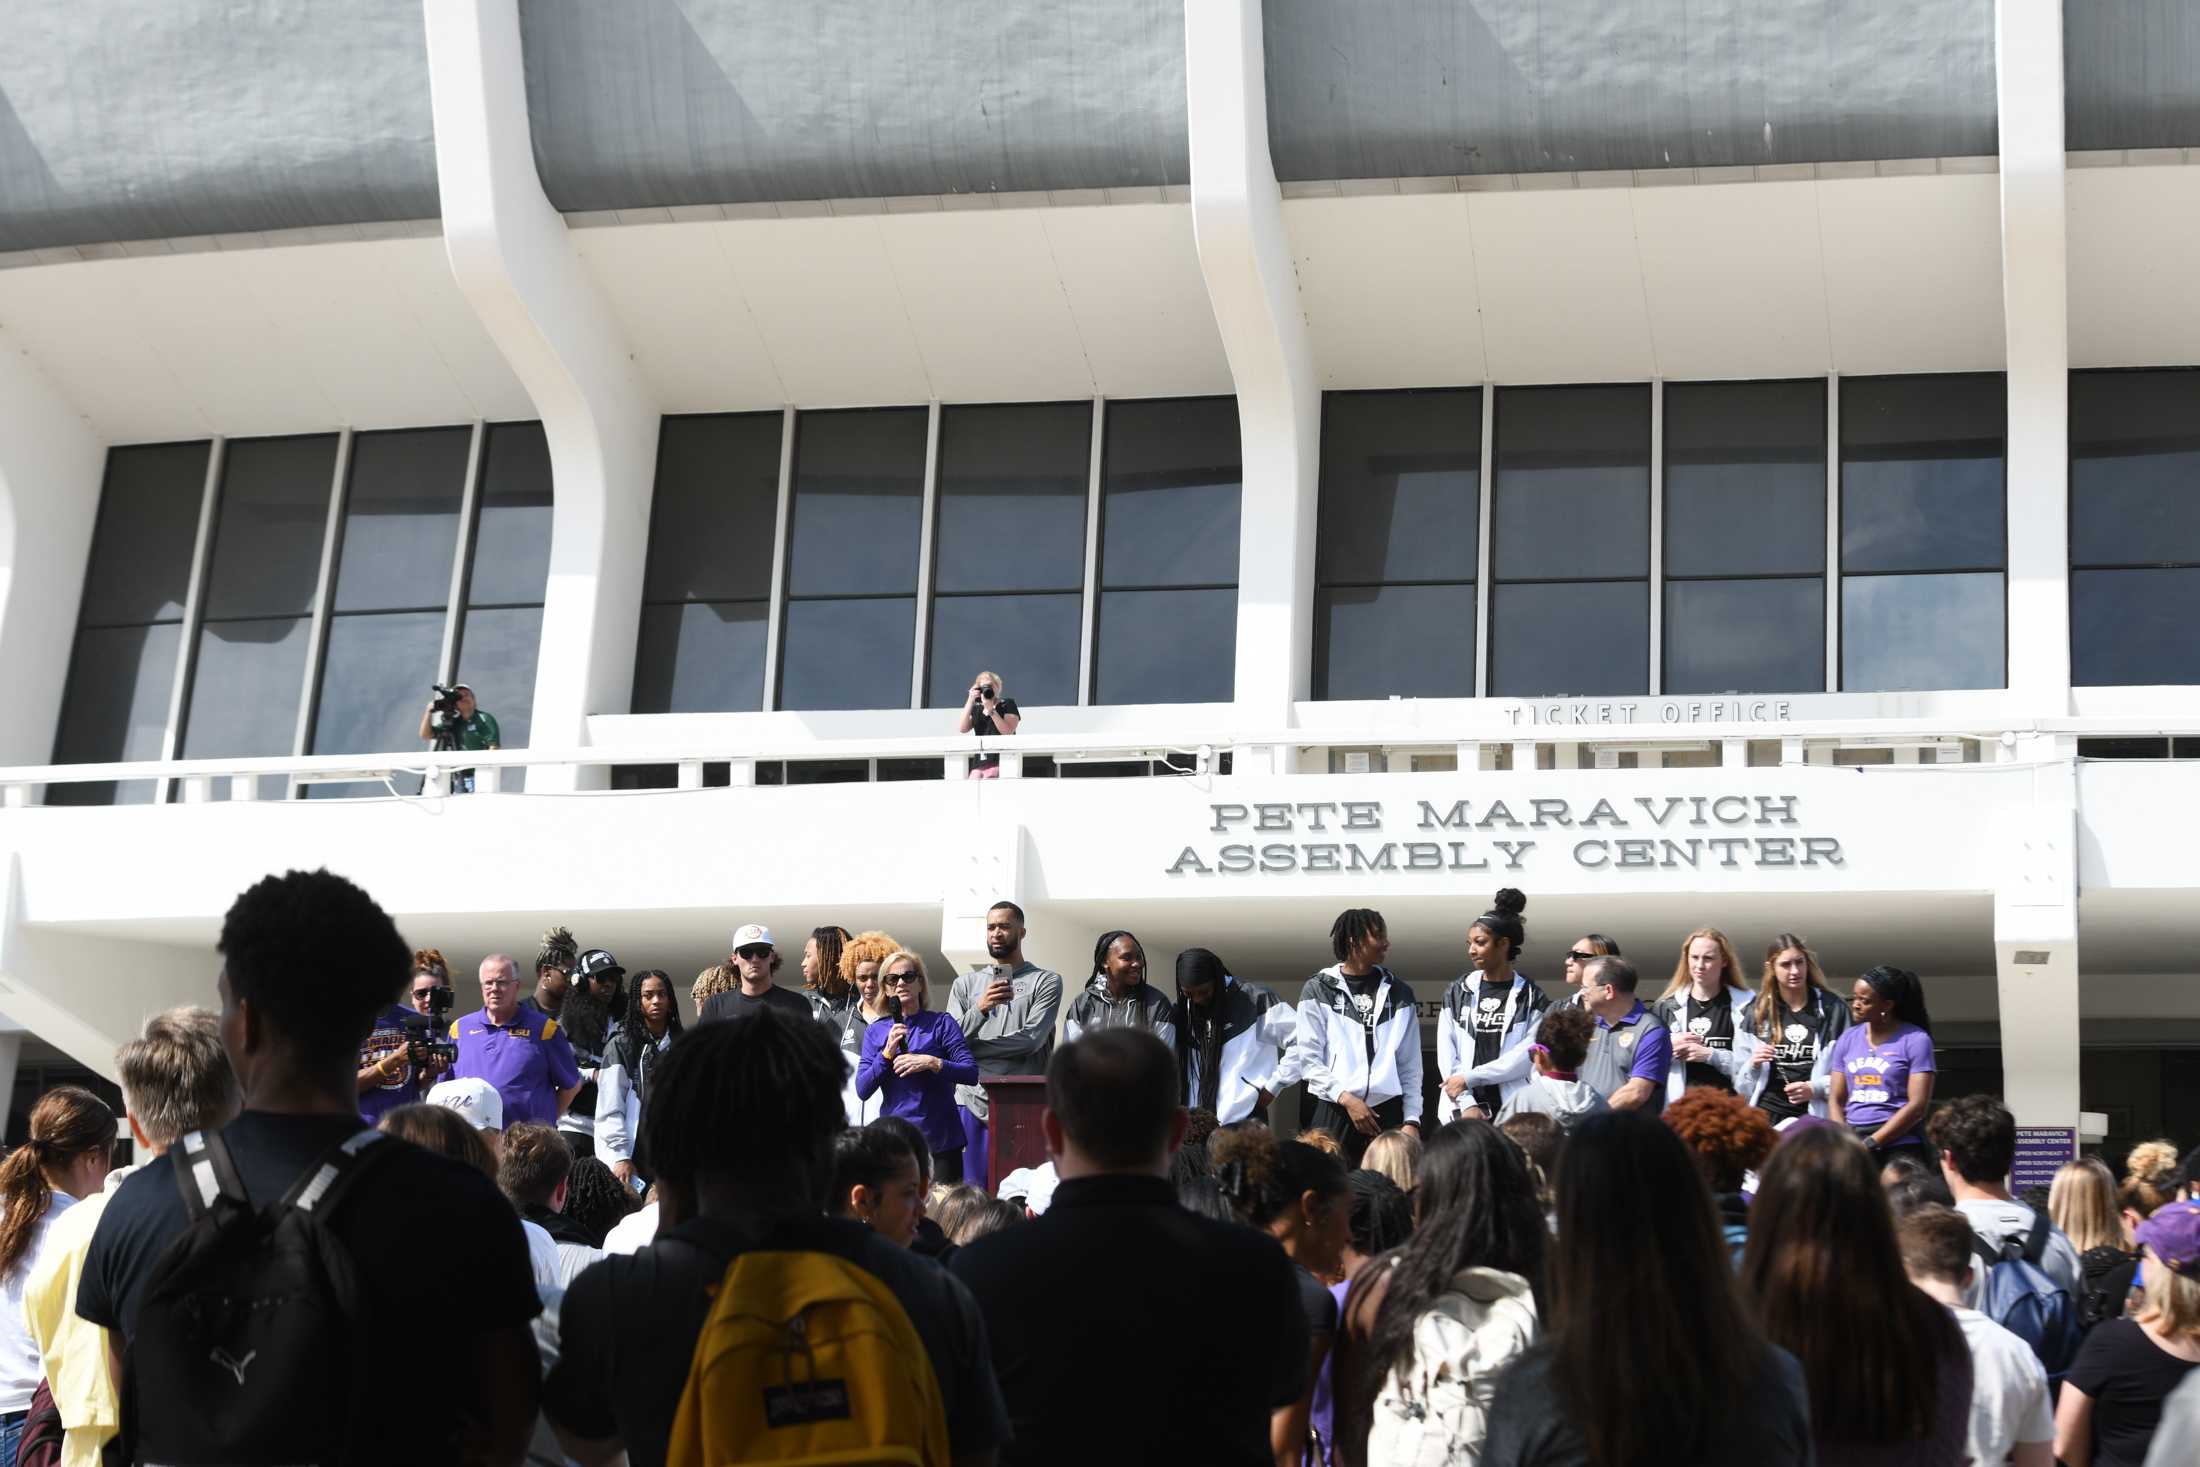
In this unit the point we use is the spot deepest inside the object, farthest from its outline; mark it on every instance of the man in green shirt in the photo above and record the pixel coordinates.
(474, 728)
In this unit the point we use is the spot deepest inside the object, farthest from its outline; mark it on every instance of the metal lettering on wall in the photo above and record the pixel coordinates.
(1624, 711)
(1654, 833)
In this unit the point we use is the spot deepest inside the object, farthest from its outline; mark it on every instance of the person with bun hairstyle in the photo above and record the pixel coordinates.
(1556, 1089)
(1706, 1007)
(1489, 1017)
(1298, 1196)
(1359, 1039)
(1881, 1069)
(1792, 1029)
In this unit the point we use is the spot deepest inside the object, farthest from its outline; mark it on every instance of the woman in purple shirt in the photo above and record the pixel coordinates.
(1882, 1067)
(918, 1057)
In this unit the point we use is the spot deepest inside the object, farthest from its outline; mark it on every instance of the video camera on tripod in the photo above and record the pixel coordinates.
(428, 1035)
(443, 713)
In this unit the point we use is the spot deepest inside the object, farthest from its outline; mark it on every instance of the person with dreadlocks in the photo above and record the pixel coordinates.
(1118, 995)
(1233, 1040)
(831, 996)
(1489, 1017)
(554, 973)
(1359, 1039)
(629, 1064)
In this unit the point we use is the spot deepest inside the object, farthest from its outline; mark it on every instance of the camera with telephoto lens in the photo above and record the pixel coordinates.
(428, 1035)
(445, 707)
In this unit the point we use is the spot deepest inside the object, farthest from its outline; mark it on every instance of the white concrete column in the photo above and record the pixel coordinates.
(2036, 940)
(517, 267)
(1237, 217)
(50, 465)
(2035, 306)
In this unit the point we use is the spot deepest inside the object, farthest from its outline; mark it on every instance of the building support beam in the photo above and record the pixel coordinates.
(517, 267)
(1245, 255)
(50, 466)
(2036, 940)
(2028, 36)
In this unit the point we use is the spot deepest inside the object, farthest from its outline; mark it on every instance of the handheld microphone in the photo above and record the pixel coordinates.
(893, 1007)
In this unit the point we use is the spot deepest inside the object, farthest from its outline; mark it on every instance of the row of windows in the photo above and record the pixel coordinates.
(1013, 497)
(397, 514)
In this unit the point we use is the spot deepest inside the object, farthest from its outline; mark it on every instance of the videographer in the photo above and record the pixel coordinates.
(401, 1057)
(451, 721)
(987, 714)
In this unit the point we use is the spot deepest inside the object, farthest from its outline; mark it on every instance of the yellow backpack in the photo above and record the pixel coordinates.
(806, 1358)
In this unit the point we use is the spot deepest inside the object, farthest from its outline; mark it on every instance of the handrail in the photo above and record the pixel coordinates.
(1848, 733)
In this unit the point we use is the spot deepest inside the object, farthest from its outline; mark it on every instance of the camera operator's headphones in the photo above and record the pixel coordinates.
(596, 963)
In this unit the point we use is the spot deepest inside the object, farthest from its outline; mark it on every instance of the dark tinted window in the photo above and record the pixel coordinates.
(2135, 626)
(1552, 638)
(1745, 636)
(2134, 468)
(148, 520)
(858, 505)
(1400, 486)
(512, 531)
(847, 654)
(701, 657)
(120, 679)
(245, 687)
(1170, 485)
(1905, 633)
(716, 510)
(1012, 493)
(375, 673)
(401, 507)
(497, 652)
(1412, 641)
(270, 521)
(1573, 484)
(1921, 473)
(1745, 478)
(1165, 647)
(1030, 642)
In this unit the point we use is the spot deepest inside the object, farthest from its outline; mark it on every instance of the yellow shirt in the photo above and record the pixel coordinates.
(74, 1350)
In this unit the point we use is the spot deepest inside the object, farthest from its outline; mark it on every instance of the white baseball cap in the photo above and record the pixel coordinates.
(474, 1099)
(1033, 1186)
(752, 935)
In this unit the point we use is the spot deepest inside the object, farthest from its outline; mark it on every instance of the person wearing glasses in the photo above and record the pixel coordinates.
(387, 1076)
(754, 964)
(515, 1048)
(917, 1058)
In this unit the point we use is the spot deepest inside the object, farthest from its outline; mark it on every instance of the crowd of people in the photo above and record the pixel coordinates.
(1724, 1226)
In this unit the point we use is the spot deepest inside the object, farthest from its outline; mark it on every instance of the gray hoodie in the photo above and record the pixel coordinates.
(1564, 1101)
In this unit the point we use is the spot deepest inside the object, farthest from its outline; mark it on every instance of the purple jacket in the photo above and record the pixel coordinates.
(926, 1101)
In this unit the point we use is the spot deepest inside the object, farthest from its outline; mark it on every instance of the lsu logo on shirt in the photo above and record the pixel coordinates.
(1868, 1080)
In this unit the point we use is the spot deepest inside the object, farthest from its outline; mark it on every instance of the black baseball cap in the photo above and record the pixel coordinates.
(596, 963)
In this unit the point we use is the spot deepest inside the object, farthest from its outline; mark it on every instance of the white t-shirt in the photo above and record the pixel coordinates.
(632, 1233)
(1995, 1220)
(21, 1367)
(2008, 1390)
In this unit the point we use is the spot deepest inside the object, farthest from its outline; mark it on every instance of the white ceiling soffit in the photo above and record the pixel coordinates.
(1791, 278)
(2134, 296)
(261, 341)
(986, 305)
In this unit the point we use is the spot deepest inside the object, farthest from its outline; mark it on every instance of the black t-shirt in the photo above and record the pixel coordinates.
(628, 1326)
(734, 1004)
(983, 725)
(1362, 990)
(1794, 1056)
(2127, 1375)
(433, 1240)
(1486, 1021)
(1712, 1021)
(1084, 1301)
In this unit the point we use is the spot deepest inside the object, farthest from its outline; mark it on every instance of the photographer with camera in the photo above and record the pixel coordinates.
(408, 1050)
(451, 721)
(987, 714)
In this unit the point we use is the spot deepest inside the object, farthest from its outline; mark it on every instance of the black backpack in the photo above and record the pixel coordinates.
(249, 1341)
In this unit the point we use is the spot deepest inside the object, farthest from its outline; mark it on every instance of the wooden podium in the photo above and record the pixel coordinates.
(1014, 1104)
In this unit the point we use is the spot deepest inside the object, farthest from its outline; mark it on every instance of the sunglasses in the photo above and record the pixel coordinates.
(1578, 957)
(756, 953)
(903, 980)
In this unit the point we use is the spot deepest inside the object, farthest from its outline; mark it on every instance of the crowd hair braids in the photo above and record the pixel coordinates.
(1354, 926)
(1905, 990)
(1263, 1176)
(1769, 1022)
(595, 1199)
(831, 943)
(1503, 920)
(559, 951)
(66, 1123)
(1108, 940)
(1199, 965)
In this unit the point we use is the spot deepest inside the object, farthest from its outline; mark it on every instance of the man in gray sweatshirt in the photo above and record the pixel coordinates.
(1006, 1007)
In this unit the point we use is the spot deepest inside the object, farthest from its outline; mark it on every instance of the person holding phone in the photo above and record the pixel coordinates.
(1006, 1007)
(987, 714)
(918, 1058)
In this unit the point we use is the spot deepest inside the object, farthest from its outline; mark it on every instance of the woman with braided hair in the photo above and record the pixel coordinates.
(71, 1147)
(1118, 995)
(1882, 1068)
